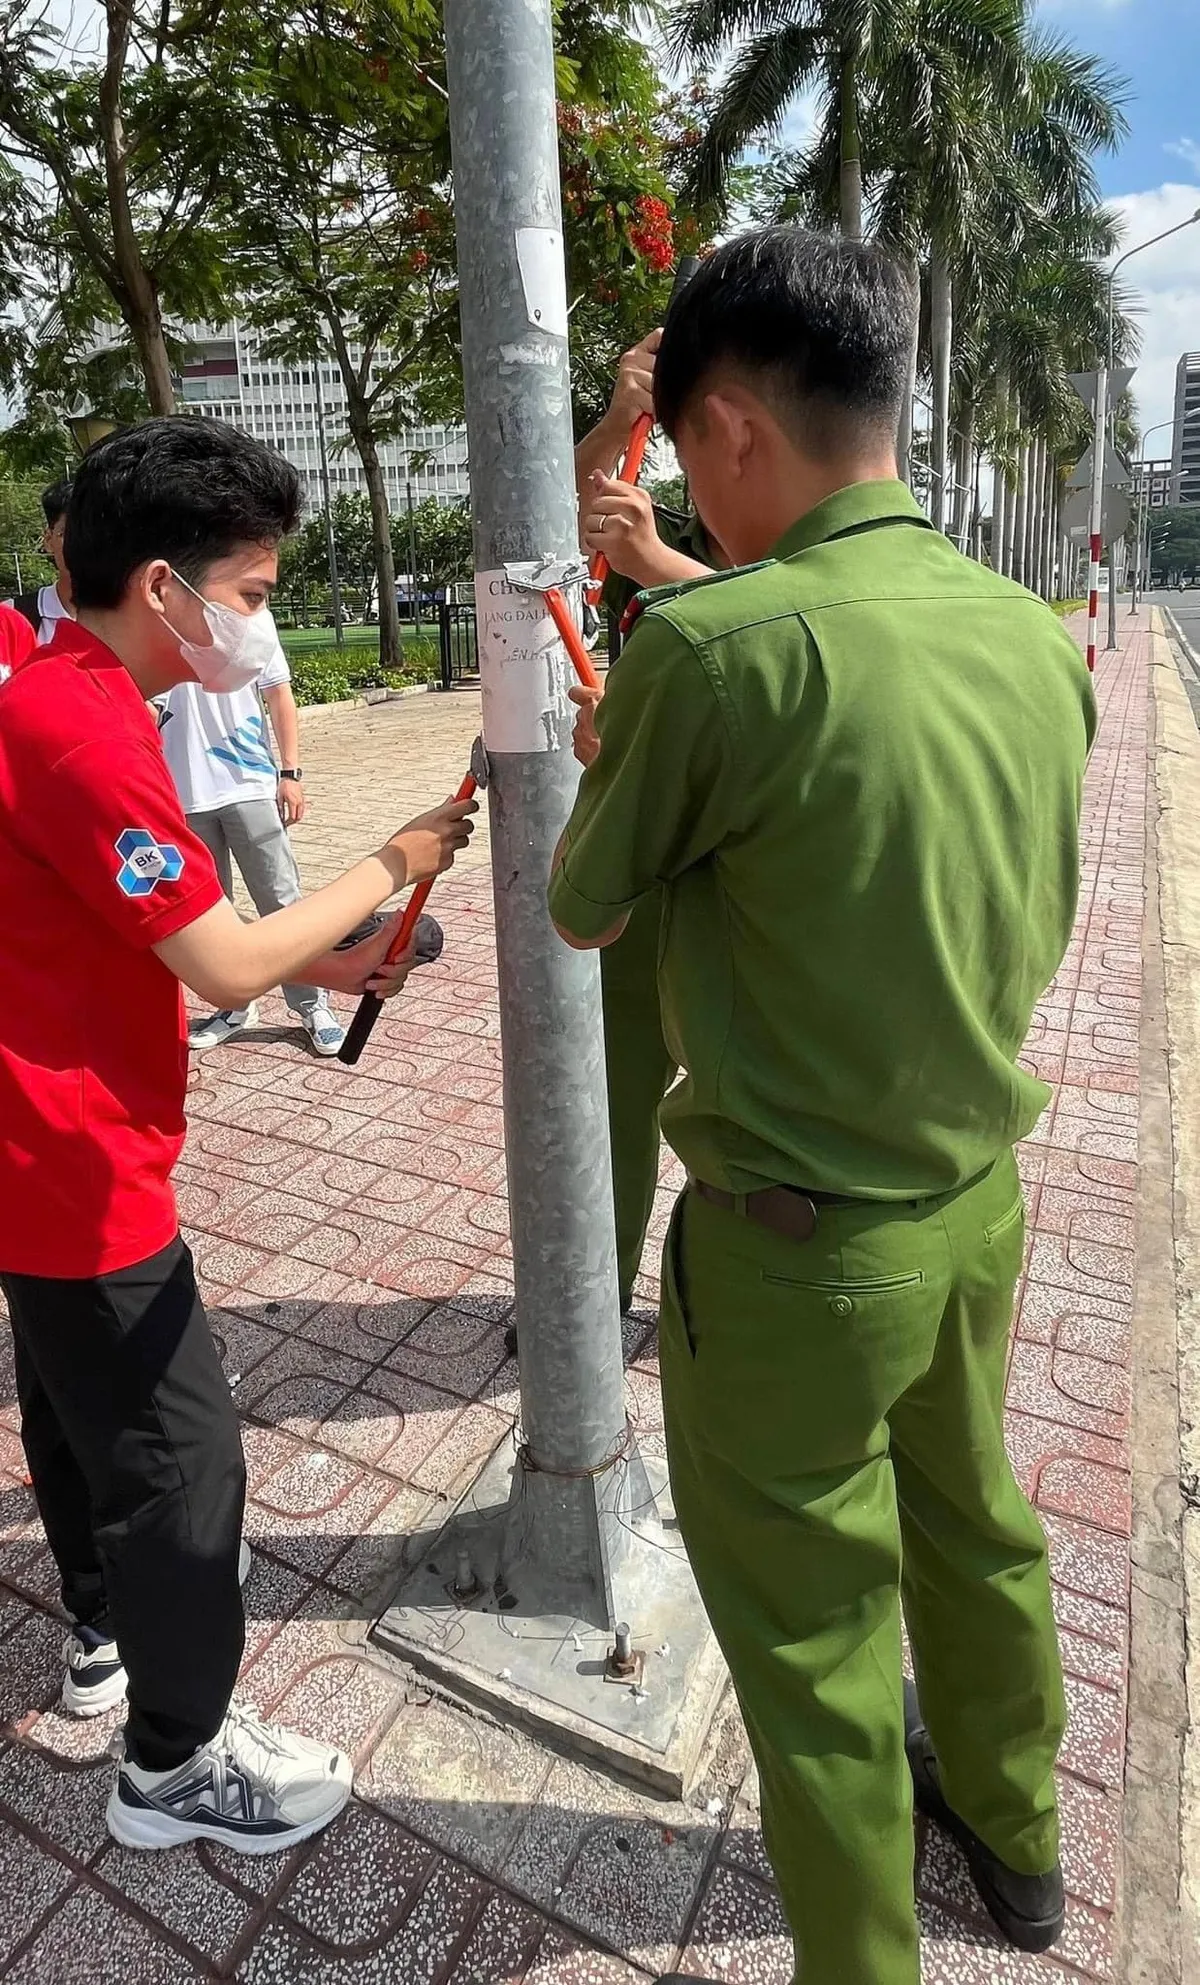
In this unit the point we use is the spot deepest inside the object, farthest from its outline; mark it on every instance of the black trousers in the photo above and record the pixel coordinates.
(136, 1459)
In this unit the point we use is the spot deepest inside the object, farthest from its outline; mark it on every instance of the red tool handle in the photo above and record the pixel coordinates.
(631, 469)
(370, 1006)
(564, 620)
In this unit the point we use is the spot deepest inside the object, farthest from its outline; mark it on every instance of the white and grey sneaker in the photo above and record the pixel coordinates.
(325, 1033)
(221, 1027)
(95, 1679)
(254, 1787)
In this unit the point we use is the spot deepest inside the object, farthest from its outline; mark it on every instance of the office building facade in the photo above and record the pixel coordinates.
(1185, 455)
(1154, 481)
(227, 376)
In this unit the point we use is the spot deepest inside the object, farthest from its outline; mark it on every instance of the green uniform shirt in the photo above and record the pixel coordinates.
(857, 770)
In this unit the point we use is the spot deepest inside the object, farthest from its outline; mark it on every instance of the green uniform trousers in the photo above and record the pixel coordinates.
(834, 1416)
(640, 1069)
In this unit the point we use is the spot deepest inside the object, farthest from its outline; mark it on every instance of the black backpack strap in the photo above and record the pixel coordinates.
(27, 606)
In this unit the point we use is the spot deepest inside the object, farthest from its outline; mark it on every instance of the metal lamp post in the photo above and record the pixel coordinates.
(558, 1573)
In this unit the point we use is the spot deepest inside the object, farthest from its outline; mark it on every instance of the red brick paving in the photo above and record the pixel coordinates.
(350, 1228)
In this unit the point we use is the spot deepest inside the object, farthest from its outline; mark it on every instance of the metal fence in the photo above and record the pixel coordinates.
(458, 643)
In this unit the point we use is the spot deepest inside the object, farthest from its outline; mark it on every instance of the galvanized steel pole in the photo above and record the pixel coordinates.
(500, 70)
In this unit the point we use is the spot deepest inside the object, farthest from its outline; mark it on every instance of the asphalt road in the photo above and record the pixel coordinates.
(1184, 609)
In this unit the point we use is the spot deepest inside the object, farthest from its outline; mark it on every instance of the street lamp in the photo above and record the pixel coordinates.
(87, 428)
(1105, 422)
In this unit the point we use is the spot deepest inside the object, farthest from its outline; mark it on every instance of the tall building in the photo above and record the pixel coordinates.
(1157, 478)
(227, 377)
(1185, 455)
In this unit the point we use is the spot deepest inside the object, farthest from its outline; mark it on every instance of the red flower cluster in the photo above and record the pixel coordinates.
(653, 234)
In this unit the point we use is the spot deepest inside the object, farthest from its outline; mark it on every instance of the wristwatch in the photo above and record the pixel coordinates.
(296, 774)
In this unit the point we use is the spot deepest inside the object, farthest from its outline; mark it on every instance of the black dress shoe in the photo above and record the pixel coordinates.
(1027, 1908)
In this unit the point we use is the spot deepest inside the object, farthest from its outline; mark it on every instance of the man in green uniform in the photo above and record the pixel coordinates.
(646, 545)
(856, 771)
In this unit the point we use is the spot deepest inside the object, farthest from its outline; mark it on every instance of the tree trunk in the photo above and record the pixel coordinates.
(964, 461)
(381, 539)
(999, 480)
(904, 432)
(999, 494)
(1048, 483)
(1037, 486)
(139, 301)
(1021, 514)
(1029, 535)
(977, 508)
(1012, 487)
(850, 189)
(940, 329)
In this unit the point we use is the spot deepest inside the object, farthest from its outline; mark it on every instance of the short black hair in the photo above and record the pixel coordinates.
(180, 488)
(823, 327)
(55, 500)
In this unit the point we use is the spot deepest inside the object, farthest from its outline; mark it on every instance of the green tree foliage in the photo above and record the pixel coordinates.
(23, 565)
(1175, 543)
(120, 139)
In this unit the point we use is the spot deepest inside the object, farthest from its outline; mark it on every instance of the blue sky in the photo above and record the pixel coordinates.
(1156, 45)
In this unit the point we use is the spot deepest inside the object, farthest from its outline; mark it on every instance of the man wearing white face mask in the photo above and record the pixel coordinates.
(108, 901)
(216, 745)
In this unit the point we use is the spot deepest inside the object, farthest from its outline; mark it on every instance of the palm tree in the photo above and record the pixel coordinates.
(850, 51)
(974, 139)
(978, 166)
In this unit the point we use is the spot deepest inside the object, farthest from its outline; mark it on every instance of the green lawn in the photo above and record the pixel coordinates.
(297, 639)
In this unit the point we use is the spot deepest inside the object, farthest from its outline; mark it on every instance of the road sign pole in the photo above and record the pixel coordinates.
(1096, 513)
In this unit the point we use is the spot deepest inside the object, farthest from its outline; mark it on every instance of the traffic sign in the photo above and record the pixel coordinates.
(1084, 384)
(1117, 471)
(1114, 521)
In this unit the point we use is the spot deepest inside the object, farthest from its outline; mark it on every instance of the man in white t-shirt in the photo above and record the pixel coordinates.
(241, 806)
(47, 605)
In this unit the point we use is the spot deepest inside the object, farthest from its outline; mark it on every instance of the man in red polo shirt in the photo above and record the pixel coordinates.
(107, 902)
(17, 640)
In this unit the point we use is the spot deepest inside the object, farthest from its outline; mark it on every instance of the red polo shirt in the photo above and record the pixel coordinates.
(17, 640)
(97, 864)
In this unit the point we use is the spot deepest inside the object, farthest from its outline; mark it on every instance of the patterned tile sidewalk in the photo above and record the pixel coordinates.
(350, 1229)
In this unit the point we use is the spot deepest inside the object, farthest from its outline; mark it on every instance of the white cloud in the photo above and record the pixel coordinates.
(1188, 150)
(1164, 290)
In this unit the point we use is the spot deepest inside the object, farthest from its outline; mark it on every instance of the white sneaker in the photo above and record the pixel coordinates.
(221, 1027)
(254, 1787)
(95, 1679)
(325, 1033)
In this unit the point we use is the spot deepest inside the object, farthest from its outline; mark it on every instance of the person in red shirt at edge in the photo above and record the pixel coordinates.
(17, 640)
(107, 903)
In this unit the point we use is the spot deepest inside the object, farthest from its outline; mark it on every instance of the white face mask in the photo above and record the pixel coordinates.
(242, 645)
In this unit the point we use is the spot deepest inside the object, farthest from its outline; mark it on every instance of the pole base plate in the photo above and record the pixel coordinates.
(511, 1647)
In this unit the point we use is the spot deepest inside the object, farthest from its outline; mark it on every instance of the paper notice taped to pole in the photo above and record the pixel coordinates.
(523, 668)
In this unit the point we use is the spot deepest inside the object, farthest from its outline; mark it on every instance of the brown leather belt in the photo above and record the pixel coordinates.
(784, 1209)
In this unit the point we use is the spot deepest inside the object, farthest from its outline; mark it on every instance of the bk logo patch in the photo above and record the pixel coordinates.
(145, 862)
